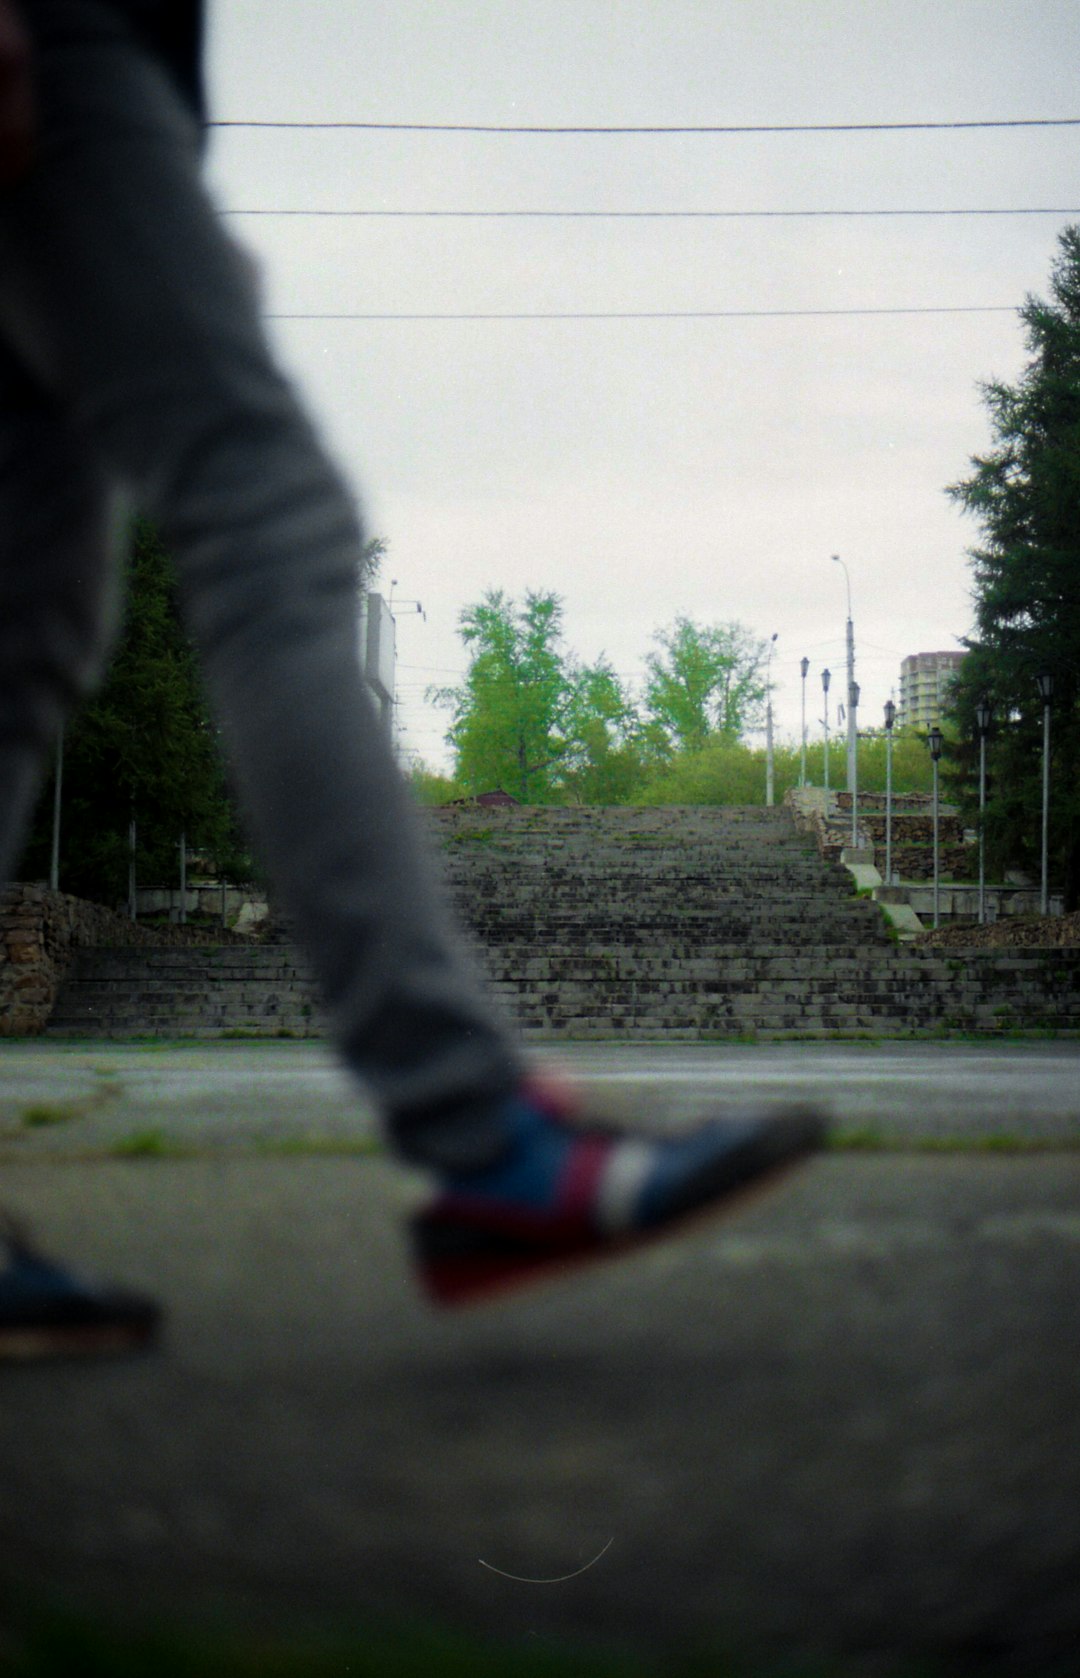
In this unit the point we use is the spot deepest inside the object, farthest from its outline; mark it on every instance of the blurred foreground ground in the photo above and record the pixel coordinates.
(844, 1423)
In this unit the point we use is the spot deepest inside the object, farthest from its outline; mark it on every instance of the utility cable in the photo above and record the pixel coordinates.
(640, 215)
(650, 128)
(638, 314)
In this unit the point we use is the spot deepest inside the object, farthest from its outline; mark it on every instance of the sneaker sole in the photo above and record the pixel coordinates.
(37, 1343)
(455, 1281)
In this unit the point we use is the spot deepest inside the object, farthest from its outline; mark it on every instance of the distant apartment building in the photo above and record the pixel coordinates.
(924, 681)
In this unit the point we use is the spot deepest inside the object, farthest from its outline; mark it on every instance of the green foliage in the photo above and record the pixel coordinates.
(429, 787)
(1025, 494)
(529, 718)
(507, 717)
(606, 752)
(705, 680)
(717, 772)
(720, 772)
(912, 770)
(144, 749)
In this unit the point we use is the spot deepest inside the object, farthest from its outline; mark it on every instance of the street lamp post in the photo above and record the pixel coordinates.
(826, 677)
(852, 700)
(853, 779)
(934, 741)
(1045, 685)
(982, 723)
(890, 718)
(804, 667)
(768, 728)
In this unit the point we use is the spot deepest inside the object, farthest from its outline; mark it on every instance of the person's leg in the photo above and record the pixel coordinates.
(54, 623)
(124, 293)
(54, 593)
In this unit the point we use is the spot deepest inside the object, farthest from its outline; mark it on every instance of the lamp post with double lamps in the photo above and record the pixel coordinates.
(804, 667)
(935, 740)
(890, 718)
(826, 678)
(982, 724)
(1045, 684)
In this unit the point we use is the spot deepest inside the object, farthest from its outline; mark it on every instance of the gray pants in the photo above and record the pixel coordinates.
(132, 360)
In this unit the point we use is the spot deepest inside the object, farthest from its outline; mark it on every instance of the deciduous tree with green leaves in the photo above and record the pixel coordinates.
(509, 715)
(533, 720)
(705, 679)
(607, 750)
(1025, 493)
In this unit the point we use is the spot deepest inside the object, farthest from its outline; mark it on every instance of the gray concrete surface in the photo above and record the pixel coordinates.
(845, 1421)
(83, 1099)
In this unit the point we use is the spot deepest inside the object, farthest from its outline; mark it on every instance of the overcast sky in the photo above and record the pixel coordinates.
(644, 468)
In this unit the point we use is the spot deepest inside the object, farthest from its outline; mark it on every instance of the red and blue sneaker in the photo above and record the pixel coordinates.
(568, 1192)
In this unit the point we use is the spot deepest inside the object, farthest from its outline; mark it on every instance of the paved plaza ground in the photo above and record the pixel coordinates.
(845, 1423)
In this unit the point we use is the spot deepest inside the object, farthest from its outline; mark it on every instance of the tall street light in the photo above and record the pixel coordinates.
(768, 727)
(804, 667)
(854, 778)
(852, 699)
(934, 740)
(826, 678)
(982, 724)
(1045, 685)
(890, 718)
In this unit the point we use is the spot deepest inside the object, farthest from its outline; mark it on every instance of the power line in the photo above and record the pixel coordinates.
(641, 314)
(642, 215)
(654, 129)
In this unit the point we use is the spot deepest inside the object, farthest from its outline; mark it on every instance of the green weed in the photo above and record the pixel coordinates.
(44, 1113)
(148, 1144)
(869, 1140)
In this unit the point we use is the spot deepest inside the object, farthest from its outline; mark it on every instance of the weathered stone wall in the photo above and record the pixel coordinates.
(39, 932)
(912, 833)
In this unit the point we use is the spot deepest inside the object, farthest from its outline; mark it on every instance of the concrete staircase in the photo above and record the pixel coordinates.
(669, 922)
(676, 923)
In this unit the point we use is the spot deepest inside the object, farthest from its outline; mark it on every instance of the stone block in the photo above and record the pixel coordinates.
(22, 953)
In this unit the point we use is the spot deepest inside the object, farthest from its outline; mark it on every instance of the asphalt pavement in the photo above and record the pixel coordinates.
(844, 1422)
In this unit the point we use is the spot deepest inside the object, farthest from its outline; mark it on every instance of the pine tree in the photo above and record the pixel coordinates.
(1025, 494)
(143, 750)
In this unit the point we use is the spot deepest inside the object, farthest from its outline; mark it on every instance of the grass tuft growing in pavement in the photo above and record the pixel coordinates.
(148, 1144)
(868, 1140)
(43, 1113)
